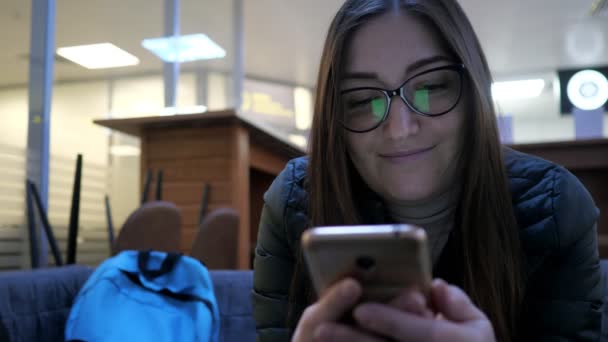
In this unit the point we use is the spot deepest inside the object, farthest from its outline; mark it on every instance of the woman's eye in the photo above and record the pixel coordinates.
(359, 103)
(433, 86)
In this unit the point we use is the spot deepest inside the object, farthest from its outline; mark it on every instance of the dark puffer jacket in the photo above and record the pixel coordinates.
(557, 220)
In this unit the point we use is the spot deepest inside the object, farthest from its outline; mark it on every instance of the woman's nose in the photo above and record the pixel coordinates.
(402, 121)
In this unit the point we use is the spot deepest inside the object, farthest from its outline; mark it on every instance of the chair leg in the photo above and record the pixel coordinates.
(47, 226)
(159, 185)
(31, 224)
(109, 221)
(144, 196)
(74, 213)
(204, 203)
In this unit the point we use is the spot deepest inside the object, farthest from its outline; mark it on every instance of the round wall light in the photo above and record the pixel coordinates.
(588, 90)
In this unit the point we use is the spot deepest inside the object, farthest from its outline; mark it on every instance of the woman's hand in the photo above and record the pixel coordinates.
(319, 322)
(457, 318)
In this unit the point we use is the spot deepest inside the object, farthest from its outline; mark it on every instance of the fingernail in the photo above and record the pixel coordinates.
(419, 299)
(362, 313)
(439, 283)
(348, 289)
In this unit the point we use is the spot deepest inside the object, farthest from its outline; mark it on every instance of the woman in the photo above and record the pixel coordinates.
(404, 131)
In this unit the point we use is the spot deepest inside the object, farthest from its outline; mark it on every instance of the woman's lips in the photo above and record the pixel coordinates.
(406, 156)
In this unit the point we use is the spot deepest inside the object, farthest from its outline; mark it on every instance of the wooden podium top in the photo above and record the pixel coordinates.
(259, 133)
(574, 155)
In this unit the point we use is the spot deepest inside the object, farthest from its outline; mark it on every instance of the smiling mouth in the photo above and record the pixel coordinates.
(406, 154)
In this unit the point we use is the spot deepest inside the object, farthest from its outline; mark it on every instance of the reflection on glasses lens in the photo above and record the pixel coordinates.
(364, 108)
(431, 94)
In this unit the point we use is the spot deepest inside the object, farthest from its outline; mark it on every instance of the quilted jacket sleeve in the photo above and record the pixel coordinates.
(273, 264)
(566, 293)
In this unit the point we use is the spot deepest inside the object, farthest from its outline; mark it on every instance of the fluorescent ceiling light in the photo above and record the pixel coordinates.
(144, 108)
(298, 139)
(303, 108)
(183, 110)
(184, 48)
(98, 56)
(513, 90)
(125, 151)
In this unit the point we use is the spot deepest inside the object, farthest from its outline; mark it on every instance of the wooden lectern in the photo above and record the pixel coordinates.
(237, 158)
(240, 160)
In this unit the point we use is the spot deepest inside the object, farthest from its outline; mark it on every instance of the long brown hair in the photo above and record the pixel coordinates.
(490, 254)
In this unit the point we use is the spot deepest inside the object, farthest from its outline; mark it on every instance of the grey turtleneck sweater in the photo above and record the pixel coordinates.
(436, 217)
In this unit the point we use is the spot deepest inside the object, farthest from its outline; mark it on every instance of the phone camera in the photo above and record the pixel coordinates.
(366, 262)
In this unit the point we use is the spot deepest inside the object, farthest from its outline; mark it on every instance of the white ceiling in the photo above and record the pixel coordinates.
(284, 37)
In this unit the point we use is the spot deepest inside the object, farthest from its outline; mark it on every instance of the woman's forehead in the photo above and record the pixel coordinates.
(391, 44)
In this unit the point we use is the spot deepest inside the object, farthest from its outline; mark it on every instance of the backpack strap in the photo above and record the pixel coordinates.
(168, 263)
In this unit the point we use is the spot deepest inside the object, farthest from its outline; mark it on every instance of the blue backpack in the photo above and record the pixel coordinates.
(146, 296)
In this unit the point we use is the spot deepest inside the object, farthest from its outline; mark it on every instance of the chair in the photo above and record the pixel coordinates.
(216, 242)
(33, 201)
(153, 226)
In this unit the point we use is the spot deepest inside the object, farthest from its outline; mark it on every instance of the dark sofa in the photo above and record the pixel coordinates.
(34, 305)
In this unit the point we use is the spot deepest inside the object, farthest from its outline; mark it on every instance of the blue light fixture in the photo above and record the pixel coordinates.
(186, 48)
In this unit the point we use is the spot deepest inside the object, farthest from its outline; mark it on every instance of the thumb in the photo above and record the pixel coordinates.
(451, 302)
(334, 303)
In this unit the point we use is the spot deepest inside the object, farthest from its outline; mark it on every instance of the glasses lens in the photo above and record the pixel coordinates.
(435, 92)
(363, 109)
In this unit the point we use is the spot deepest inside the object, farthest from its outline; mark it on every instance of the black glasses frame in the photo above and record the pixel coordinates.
(400, 92)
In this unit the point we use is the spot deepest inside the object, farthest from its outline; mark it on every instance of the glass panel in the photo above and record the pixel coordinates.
(215, 19)
(75, 106)
(539, 118)
(82, 94)
(138, 96)
(14, 65)
(112, 159)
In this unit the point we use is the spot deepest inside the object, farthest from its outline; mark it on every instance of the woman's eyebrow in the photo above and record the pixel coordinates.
(426, 61)
(364, 75)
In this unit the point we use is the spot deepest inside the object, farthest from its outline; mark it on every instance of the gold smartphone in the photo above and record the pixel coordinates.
(385, 259)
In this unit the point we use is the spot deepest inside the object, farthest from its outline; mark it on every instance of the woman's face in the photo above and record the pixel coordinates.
(408, 157)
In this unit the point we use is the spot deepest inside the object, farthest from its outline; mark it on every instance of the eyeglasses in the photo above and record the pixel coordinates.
(431, 93)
